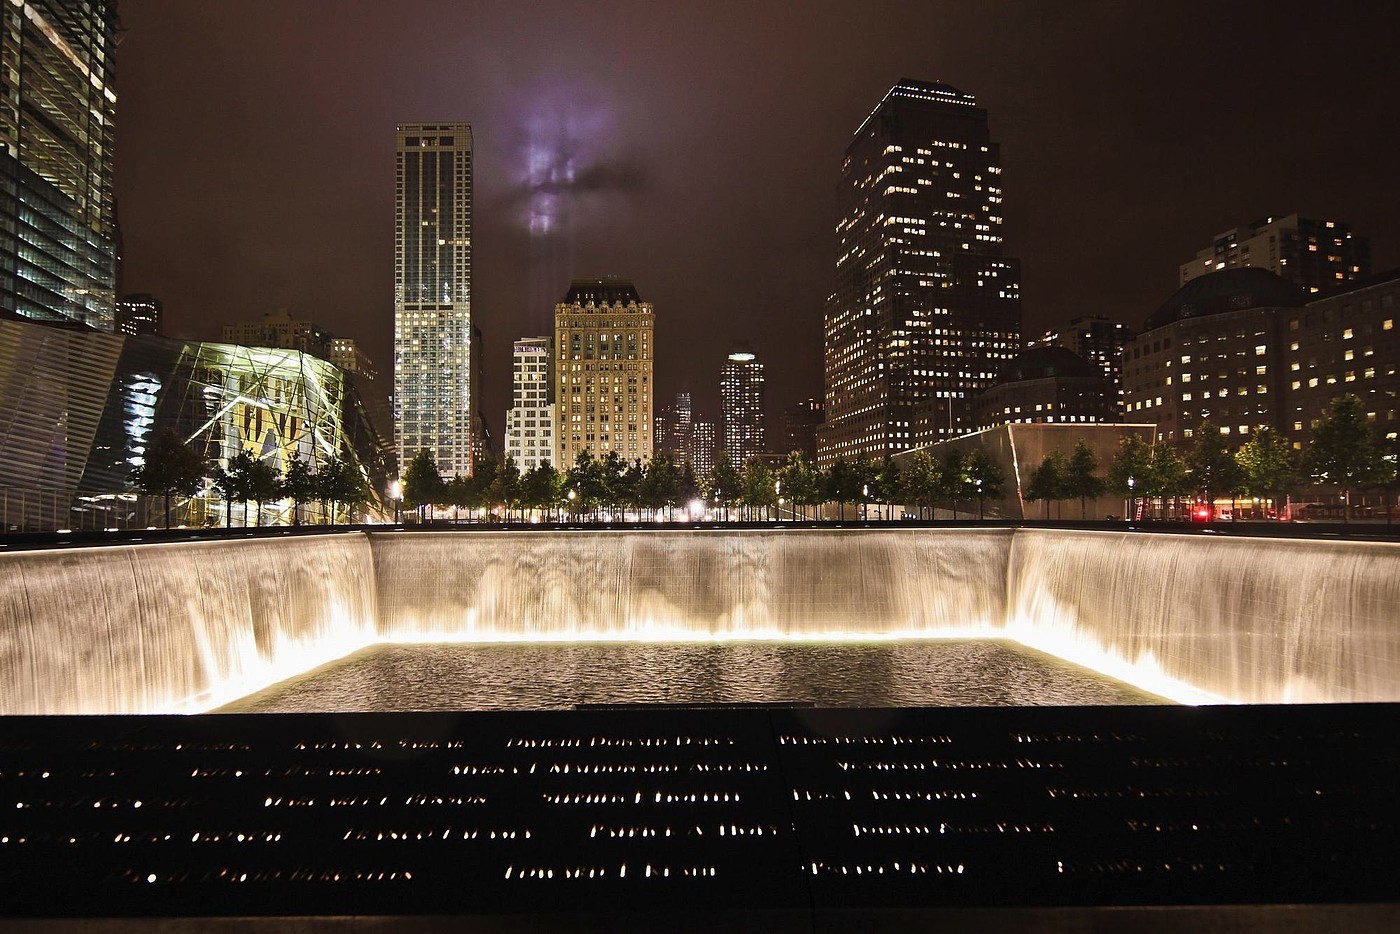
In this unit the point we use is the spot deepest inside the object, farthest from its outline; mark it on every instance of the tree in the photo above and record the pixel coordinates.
(956, 483)
(842, 485)
(1214, 470)
(459, 493)
(341, 482)
(229, 486)
(1129, 471)
(1048, 481)
(1081, 478)
(985, 478)
(613, 471)
(1167, 474)
(264, 483)
(758, 484)
(542, 486)
(237, 479)
(169, 467)
(725, 484)
(801, 481)
(423, 485)
(888, 487)
(1268, 464)
(298, 485)
(505, 486)
(586, 482)
(1344, 451)
(921, 481)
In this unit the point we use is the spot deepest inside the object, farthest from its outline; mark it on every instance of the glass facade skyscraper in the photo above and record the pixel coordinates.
(433, 392)
(926, 310)
(57, 107)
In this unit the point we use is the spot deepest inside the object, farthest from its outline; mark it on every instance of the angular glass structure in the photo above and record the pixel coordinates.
(78, 409)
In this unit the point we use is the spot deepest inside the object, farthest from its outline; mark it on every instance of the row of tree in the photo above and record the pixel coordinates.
(611, 485)
(1344, 453)
(173, 468)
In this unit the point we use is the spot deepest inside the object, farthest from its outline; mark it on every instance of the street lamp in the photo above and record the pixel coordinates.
(778, 495)
(1132, 499)
(864, 508)
(396, 494)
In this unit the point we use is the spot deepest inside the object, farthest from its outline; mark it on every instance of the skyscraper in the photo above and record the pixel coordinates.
(926, 308)
(530, 422)
(58, 257)
(741, 407)
(140, 313)
(434, 395)
(1319, 255)
(603, 365)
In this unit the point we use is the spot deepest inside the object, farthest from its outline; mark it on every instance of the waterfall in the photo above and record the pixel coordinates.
(1214, 618)
(176, 627)
(188, 626)
(688, 585)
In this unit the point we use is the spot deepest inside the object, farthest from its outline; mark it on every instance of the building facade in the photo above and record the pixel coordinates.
(926, 307)
(140, 314)
(743, 430)
(79, 414)
(1344, 343)
(1318, 255)
(702, 447)
(280, 329)
(435, 404)
(351, 357)
(1047, 384)
(800, 424)
(603, 351)
(530, 423)
(58, 254)
(1211, 351)
(1097, 339)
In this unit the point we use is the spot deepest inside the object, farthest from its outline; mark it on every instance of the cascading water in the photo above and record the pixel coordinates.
(176, 627)
(688, 585)
(1206, 618)
(151, 628)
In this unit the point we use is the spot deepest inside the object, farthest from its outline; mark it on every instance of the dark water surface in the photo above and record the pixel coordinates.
(551, 676)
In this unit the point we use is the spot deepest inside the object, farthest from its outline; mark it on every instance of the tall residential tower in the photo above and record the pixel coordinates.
(434, 395)
(742, 423)
(530, 421)
(58, 254)
(926, 310)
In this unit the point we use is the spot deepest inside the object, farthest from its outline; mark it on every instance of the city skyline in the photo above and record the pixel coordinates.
(1110, 181)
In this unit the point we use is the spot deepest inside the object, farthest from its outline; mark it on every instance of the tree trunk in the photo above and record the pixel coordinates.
(167, 509)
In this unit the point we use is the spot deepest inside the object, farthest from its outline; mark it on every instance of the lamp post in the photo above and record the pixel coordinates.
(778, 495)
(396, 494)
(1132, 499)
(864, 506)
(979, 499)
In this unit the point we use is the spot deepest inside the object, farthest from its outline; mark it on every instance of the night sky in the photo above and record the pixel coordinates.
(256, 142)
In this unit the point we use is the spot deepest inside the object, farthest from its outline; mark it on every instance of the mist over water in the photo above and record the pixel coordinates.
(532, 676)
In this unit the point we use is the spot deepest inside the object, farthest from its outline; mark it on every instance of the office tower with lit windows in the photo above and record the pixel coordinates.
(434, 396)
(1097, 339)
(1318, 255)
(140, 314)
(603, 352)
(800, 424)
(58, 253)
(530, 421)
(926, 307)
(742, 433)
(702, 447)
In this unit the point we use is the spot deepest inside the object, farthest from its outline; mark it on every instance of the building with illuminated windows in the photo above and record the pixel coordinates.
(1319, 255)
(1047, 384)
(926, 307)
(743, 433)
(800, 424)
(530, 421)
(1244, 348)
(603, 356)
(1097, 339)
(58, 255)
(434, 396)
(140, 314)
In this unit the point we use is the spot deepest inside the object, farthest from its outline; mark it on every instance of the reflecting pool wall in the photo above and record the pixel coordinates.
(189, 626)
(176, 627)
(688, 585)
